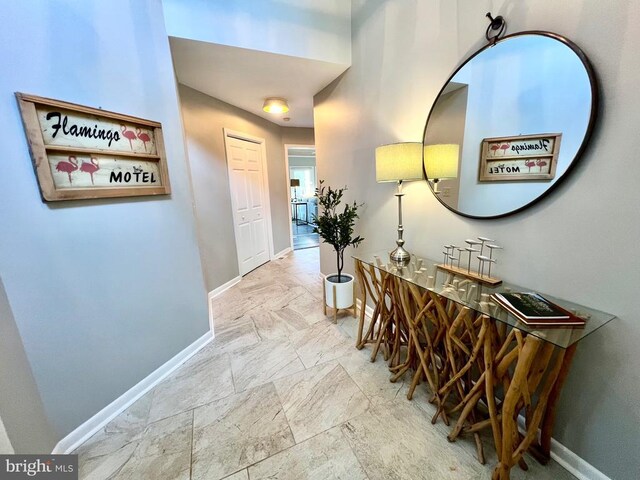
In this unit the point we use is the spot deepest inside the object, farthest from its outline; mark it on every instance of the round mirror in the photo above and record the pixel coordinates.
(509, 124)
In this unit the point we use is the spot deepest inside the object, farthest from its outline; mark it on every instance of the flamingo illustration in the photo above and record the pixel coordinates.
(144, 137)
(128, 134)
(494, 148)
(68, 167)
(530, 163)
(504, 147)
(90, 168)
(541, 163)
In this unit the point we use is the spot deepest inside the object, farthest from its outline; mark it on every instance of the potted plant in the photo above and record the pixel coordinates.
(336, 229)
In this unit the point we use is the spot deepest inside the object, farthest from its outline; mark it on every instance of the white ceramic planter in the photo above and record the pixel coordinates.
(344, 291)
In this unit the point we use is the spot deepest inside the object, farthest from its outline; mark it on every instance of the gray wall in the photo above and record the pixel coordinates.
(579, 241)
(103, 292)
(448, 117)
(204, 119)
(297, 136)
(21, 409)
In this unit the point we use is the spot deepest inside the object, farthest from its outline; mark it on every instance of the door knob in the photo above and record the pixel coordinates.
(243, 217)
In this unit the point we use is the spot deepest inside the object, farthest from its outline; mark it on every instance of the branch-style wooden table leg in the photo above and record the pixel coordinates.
(542, 451)
(527, 392)
(371, 285)
(375, 284)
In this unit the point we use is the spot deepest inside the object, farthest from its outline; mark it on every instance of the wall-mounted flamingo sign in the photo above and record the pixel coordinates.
(82, 152)
(519, 158)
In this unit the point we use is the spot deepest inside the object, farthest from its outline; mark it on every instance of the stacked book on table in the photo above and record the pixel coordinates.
(536, 311)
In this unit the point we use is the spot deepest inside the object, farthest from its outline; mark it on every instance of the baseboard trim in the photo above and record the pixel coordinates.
(85, 431)
(368, 310)
(225, 286)
(570, 461)
(217, 291)
(281, 254)
(574, 464)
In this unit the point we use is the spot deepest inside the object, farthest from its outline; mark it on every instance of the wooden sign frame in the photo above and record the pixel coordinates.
(513, 167)
(41, 151)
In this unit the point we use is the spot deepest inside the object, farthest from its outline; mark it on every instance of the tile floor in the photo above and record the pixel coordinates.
(303, 236)
(281, 393)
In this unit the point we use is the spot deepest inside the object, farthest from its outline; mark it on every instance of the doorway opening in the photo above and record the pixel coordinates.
(302, 180)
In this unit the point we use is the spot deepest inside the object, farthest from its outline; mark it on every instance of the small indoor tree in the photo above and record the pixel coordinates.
(335, 227)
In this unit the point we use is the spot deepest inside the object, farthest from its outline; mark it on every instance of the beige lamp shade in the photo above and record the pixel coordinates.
(399, 161)
(441, 161)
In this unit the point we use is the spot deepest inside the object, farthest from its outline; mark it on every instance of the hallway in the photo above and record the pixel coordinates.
(281, 393)
(303, 236)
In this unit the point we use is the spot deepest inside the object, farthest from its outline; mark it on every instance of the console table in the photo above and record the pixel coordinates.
(483, 366)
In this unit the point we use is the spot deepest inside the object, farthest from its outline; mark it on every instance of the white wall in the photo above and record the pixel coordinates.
(315, 29)
(5, 444)
(105, 291)
(577, 244)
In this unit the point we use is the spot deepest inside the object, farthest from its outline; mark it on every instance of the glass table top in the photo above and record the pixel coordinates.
(476, 296)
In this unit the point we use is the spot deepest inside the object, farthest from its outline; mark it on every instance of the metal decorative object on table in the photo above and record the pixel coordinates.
(472, 272)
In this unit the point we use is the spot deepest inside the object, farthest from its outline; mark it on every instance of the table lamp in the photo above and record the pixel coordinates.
(399, 162)
(295, 182)
(440, 162)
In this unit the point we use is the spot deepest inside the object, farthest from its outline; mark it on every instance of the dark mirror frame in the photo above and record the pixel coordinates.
(592, 119)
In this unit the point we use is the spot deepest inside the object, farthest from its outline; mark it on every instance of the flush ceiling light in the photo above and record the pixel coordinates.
(275, 105)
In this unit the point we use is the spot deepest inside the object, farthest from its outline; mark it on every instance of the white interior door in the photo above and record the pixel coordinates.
(246, 180)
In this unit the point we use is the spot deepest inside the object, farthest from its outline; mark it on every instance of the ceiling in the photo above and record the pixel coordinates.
(244, 78)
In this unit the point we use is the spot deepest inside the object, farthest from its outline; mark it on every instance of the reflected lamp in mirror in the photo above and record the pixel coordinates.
(399, 162)
(441, 162)
(294, 183)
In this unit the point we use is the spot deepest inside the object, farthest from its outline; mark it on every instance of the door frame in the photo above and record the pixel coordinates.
(287, 146)
(228, 133)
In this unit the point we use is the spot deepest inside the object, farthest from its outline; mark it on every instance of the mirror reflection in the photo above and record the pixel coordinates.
(508, 125)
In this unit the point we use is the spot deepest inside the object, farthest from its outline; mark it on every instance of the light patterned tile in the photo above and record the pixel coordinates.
(263, 363)
(200, 380)
(322, 342)
(230, 337)
(238, 431)
(163, 446)
(324, 457)
(349, 325)
(99, 468)
(397, 441)
(164, 451)
(317, 399)
(281, 323)
(122, 430)
(241, 475)
(373, 378)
